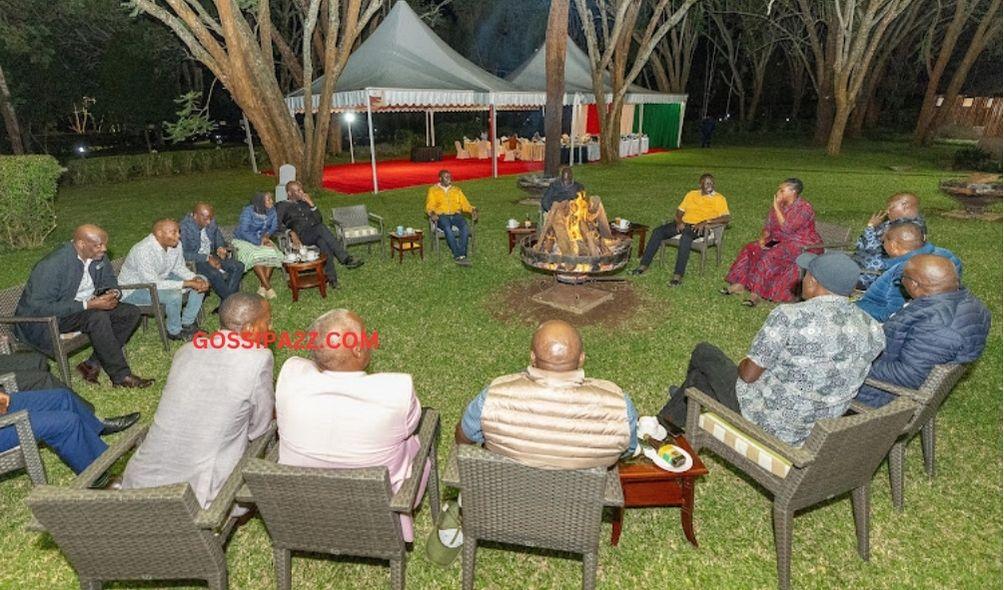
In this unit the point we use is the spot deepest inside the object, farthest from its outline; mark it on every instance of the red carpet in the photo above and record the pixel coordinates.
(392, 174)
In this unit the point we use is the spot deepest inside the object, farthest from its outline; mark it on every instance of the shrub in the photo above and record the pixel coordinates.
(973, 158)
(27, 192)
(107, 169)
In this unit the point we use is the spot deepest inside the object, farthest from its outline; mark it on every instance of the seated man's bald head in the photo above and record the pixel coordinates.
(903, 205)
(89, 231)
(240, 311)
(557, 346)
(929, 274)
(339, 321)
(902, 238)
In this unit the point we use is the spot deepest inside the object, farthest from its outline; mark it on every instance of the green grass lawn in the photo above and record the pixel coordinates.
(442, 324)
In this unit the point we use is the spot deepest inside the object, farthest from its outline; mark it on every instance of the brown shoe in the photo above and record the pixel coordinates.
(132, 381)
(89, 372)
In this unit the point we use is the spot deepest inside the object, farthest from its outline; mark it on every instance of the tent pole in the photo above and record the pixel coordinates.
(352, 153)
(426, 128)
(369, 120)
(679, 133)
(571, 138)
(641, 117)
(247, 134)
(432, 125)
(491, 138)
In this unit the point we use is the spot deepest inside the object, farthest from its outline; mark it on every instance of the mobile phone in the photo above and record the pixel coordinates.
(771, 243)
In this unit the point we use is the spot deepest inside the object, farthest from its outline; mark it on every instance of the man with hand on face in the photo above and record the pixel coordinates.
(551, 415)
(203, 243)
(76, 284)
(869, 253)
(699, 209)
(158, 259)
(445, 204)
(300, 215)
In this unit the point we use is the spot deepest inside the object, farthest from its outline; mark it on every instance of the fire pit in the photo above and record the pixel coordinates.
(573, 269)
(975, 193)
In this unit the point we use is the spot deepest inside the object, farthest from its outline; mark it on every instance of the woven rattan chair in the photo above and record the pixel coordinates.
(149, 311)
(145, 534)
(25, 455)
(713, 236)
(834, 237)
(928, 397)
(507, 502)
(342, 511)
(840, 456)
(352, 226)
(437, 234)
(63, 346)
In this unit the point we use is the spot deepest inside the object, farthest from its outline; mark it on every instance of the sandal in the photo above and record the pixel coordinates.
(675, 282)
(749, 303)
(724, 291)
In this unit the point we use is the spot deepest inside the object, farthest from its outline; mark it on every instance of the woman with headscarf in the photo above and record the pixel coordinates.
(255, 249)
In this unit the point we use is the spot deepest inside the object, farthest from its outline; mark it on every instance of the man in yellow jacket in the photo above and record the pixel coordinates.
(445, 204)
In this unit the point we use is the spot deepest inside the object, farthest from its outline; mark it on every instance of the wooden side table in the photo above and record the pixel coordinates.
(517, 233)
(410, 243)
(306, 275)
(646, 485)
(635, 229)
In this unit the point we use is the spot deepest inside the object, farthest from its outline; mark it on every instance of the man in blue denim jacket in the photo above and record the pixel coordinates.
(203, 243)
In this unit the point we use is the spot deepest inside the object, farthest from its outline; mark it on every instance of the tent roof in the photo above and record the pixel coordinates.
(532, 76)
(412, 68)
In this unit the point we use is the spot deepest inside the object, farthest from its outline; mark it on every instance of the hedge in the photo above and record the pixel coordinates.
(108, 169)
(27, 193)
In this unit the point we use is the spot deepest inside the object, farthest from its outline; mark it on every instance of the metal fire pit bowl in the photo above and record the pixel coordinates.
(576, 269)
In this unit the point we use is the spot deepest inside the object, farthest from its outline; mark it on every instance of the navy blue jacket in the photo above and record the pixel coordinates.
(191, 239)
(885, 297)
(933, 330)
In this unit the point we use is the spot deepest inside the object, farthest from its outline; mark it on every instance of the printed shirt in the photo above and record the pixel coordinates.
(698, 208)
(816, 355)
(868, 251)
(442, 200)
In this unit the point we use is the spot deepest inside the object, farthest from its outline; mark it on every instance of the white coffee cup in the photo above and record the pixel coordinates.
(625, 224)
(409, 231)
(512, 223)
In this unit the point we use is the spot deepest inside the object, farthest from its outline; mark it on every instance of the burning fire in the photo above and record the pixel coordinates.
(577, 230)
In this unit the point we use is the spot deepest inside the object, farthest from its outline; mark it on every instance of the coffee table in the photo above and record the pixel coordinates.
(516, 233)
(406, 243)
(647, 486)
(635, 229)
(306, 275)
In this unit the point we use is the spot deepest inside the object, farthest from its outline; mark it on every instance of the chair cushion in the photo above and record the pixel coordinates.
(68, 335)
(363, 231)
(737, 441)
(710, 239)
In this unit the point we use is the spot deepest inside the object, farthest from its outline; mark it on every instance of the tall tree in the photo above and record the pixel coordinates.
(609, 28)
(234, 40)
(673, 56)
(555, 48)
(10, 116)
(988, 28)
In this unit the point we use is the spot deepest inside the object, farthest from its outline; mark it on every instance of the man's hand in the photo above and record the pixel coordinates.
(877, 218)
(306, 199)
(701, 227)
(197, 284)
(434, 218)
(4, 401)
(265, 241)
(295, 240)
(213, 261)
(222, 253)
(105, 302)
(680, 226)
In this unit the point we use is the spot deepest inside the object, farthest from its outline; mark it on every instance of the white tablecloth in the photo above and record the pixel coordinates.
(644, 144)
(593, 151)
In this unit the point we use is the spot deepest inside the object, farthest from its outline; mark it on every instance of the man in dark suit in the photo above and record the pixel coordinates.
(300, 215)
(203, 244)
(76, 284)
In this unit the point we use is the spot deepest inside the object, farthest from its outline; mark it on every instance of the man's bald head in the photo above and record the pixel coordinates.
(929, 274)
(557, 346)
(90, 241)
(339, 322)
(902, 238)
(241, 311)
(203, 214)
(166, 232)
(902, 205)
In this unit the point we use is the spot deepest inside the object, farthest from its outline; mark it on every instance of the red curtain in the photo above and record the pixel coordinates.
(592, 120)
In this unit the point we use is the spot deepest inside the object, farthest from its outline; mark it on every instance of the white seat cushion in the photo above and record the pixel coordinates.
(69, 335)
(362, 231)
(737, 441)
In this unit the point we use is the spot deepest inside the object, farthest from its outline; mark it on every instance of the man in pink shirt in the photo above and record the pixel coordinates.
(331, 413)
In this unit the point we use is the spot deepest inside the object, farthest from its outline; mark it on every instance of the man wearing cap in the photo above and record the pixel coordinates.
(805, 364)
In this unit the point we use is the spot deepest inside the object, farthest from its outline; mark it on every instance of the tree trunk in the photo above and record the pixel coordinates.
(335, 135)
(824, 104)
(797, 89)
(841, 113)
(866, 102)
(10, 117)
(927, 108)
(557, 38)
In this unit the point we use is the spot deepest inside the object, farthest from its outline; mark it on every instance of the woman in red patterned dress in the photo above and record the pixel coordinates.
(766, 268)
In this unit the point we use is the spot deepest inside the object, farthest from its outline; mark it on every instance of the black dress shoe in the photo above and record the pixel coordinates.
(639, 270)
(89, 372)
(352, 262)
(179, 337)
(132, 381)
(117, 424)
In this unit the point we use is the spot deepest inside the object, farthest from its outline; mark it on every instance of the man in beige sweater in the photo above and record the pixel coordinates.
(551, 415)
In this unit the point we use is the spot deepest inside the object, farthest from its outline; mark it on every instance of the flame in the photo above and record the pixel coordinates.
(578, 212)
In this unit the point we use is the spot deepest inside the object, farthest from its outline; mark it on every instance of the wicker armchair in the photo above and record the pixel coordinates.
(840, 455)
(146, 534)
(437, 234)
(342, 511)
(63, 345)
(149, 311)
(713, 236)
(507, 502)
(25, 455)
(834, 237)
(352, 226)
(928, 397)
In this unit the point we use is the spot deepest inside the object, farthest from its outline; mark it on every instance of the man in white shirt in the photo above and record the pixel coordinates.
(158, 259)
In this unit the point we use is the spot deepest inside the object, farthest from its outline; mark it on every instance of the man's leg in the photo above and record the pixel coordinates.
(235, 272)
(687, 236)
(192, 306)
(445, 223)
(217, 280)
(663, 232)
(331, 247)
(172, 301)
(59, 420)
(464, 230)
(105, 337)
(711, 371)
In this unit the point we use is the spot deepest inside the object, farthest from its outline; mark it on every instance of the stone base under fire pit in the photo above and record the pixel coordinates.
(577, 299)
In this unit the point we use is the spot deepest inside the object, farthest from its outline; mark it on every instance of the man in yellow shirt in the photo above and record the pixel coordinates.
(699, 209)
(445, 204)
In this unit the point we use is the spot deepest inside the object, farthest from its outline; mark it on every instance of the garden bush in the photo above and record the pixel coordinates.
(27, 195)
(973, 158)
(121, 168)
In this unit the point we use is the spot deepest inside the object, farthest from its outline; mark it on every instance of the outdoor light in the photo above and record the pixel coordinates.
(81, 150)
(349, 118)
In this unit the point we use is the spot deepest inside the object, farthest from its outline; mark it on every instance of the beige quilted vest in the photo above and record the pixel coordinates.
(555, 420)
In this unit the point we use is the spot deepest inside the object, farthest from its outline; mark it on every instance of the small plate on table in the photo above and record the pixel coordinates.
(665, 465)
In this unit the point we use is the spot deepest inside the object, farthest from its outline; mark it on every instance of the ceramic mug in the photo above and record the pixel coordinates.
(512, 223)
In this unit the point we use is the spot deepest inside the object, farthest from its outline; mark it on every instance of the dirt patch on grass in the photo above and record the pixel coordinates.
(514, 304)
